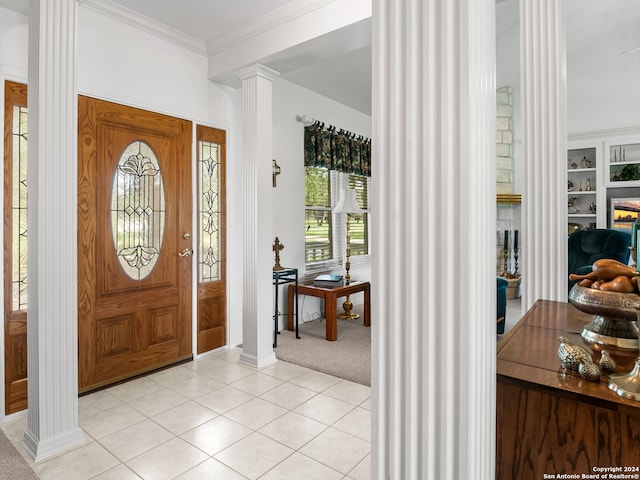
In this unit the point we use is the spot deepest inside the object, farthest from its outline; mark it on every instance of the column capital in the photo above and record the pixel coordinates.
(257, 70)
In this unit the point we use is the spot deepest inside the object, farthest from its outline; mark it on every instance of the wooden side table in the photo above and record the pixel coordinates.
(330, 296)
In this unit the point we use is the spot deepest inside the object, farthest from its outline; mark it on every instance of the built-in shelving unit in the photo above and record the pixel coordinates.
(601, 167)
(582, 186)
(623, 162)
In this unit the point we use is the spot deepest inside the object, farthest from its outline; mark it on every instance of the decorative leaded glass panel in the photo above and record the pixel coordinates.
(19, 209)
(209, 212)
(137, 210)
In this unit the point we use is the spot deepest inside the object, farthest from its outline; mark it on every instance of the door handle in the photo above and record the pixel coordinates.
(186, 253)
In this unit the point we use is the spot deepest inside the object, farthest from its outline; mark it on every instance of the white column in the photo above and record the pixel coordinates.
(52, 334)
(257, 147)
(434, 217)
(544, 193)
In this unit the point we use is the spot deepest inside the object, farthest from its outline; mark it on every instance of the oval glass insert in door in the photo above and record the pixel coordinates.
(137, 210)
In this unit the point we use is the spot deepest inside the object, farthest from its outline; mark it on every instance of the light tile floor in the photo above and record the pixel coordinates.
(216, 419)
(514, 313)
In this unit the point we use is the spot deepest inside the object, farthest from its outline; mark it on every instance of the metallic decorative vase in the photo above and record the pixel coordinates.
(614, 311)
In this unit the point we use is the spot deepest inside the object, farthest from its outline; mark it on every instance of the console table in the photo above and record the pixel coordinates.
(550, 423)
(330, 296)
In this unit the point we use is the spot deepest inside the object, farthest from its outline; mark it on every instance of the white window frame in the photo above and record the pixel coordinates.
(337, 181)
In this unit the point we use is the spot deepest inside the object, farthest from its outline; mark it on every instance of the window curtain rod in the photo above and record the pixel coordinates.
(308, 121)
(336, 149)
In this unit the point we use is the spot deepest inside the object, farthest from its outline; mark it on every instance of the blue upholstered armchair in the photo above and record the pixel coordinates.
(587, 246)
(502, 304)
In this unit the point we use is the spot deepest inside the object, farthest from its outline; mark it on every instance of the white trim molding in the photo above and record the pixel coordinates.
(289, 26)
(137, 20)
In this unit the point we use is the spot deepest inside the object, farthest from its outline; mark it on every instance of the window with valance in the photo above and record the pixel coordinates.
(334, 159)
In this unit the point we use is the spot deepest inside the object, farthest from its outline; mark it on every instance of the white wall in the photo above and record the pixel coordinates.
(13, 46)
(289, 102)
(602, 84)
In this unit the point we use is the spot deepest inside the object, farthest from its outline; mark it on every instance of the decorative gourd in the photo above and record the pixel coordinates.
(609, 275)
(619, 284)
(607, 269)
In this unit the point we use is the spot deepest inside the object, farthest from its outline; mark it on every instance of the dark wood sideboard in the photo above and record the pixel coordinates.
(550, 423)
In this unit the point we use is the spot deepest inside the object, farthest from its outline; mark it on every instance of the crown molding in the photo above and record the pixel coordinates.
(614, 132)
(269, 21)
(145, 24)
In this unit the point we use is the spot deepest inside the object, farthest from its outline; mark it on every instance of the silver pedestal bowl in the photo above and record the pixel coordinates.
(614, 313)
(616, 326)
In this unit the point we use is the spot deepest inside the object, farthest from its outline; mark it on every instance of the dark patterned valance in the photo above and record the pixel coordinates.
(336, 149)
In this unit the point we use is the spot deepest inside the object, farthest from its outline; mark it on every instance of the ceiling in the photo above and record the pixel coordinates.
(338, 65)
(327, 65)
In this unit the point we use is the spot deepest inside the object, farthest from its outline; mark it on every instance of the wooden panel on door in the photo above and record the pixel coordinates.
(134, 220)
(211, 251)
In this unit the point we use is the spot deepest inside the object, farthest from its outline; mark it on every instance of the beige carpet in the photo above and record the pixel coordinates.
(349, 357)
(12, 465)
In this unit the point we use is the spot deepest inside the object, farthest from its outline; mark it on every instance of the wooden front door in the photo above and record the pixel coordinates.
(134, 241)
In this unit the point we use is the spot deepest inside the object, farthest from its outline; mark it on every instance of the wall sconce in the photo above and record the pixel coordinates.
(275, 170)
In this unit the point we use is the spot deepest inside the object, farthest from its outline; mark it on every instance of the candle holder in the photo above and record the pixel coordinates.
(515, 262)
(627, 385)
(506, 260)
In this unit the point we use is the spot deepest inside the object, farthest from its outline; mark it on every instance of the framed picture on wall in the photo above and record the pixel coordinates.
(624, 213)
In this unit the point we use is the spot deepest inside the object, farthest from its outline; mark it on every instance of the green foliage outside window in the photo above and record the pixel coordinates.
(318, 232)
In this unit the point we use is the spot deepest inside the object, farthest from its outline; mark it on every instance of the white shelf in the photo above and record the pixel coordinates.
(581, 177)
(626, 162)
(615, 149)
